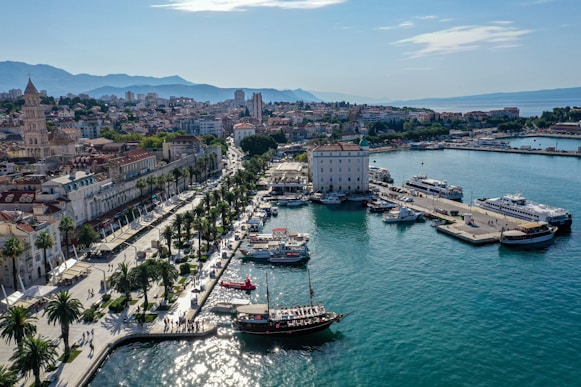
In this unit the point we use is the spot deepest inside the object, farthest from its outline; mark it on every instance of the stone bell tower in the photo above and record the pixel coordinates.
(35, 132)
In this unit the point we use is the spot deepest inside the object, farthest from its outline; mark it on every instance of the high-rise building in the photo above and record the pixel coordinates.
(130, 96)
(257, 106)
(239, 98)
(35, 132)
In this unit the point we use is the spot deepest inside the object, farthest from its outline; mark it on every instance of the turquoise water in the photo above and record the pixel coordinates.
(427, 309)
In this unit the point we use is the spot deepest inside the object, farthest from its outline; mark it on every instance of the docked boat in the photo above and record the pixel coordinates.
(278, 234)
(229, 306)
(519, 207)
(440, 188)
(246, 285)
(400, 215)
(289, 258)
(260, 319)
(528, 233)
(380, 205)
(274, 211)
(285, 248)
(297, 202)
(332, 199)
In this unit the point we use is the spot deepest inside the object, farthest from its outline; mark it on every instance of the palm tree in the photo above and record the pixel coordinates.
(16, 324)
(215, 197)
(176, 172)
(36, 354)
(13, 248)
(224, 211)
(169, 274)
(86, 236)
(64, 310)
(8, 376)
(66, 225)
(168, 180)
(161, 180)
(167, 234)
(44, 241)
(177, 224)
(151, 180)
(140, 184)
(188, 220)
(192, 172)
(185, 175)
(198, 226)
(121, 280)
(141, 277)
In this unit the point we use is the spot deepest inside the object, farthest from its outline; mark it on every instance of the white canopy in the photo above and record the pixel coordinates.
(39, 291)
(13, 298)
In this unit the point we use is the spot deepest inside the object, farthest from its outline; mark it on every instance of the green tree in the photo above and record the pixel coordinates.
(86, 236)
(141, 276)
(64, 310)
(17, 323)
(44, 241)
(35, 354)
(169, 275)
(177, 224)
(167, 234)
(140, 184)
(121, 280)
(66, 225)
(8, 376)
(177, 173)
(258, 144)
(13, 248)
(151, 180)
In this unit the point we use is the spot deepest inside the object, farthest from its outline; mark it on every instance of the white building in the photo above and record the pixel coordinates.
(242, 130)
(30, 265)
(340, 167)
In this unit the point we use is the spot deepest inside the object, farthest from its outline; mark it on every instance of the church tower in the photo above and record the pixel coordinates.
(35, 132)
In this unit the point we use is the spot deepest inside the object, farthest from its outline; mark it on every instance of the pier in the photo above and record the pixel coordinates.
(463, 221)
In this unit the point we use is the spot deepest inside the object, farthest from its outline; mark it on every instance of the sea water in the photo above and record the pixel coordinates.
(425, 309)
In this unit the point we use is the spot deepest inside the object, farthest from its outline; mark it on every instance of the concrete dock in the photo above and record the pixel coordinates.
(471, 224)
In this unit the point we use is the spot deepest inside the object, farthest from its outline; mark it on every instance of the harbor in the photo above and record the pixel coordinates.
(463, 221)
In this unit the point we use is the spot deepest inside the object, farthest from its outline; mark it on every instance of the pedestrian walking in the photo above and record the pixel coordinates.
(93, 332)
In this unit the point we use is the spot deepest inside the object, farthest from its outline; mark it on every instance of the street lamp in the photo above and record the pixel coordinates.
(104, 278)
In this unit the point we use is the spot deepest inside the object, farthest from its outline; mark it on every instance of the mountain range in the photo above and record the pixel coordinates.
(58, 82)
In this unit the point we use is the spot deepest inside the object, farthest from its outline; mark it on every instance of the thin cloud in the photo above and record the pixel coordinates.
(243, 5)
(427, 17)
(405, 24)
(463, 38)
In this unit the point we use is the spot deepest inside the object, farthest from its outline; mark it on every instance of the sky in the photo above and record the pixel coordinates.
(384, 49)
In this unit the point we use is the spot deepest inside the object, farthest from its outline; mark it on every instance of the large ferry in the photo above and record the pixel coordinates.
(517, 206)
(439, 188)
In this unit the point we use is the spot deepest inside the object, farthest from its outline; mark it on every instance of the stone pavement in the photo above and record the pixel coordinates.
(113, 327)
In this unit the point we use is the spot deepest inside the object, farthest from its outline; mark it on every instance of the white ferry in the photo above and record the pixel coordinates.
(439, 188)
(491, 143)
(518, 207)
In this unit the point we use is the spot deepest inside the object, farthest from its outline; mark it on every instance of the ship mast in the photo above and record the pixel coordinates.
(311, 291)
(267, 295)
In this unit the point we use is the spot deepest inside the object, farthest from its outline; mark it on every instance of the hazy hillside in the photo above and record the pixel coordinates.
(57, 82)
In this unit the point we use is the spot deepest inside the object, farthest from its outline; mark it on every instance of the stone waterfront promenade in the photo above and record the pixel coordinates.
(95, 340)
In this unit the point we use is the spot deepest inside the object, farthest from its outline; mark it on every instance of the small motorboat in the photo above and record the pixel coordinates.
(246, 285)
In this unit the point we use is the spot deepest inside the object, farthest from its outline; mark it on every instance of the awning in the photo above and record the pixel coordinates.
(13, 298)
(39, 291)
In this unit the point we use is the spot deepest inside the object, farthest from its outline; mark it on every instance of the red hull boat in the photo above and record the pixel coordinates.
(246, 285)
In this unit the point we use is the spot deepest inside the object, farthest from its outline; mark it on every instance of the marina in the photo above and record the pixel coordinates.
(445, 312)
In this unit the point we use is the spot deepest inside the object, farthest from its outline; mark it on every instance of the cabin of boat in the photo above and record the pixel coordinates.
(528, 233)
